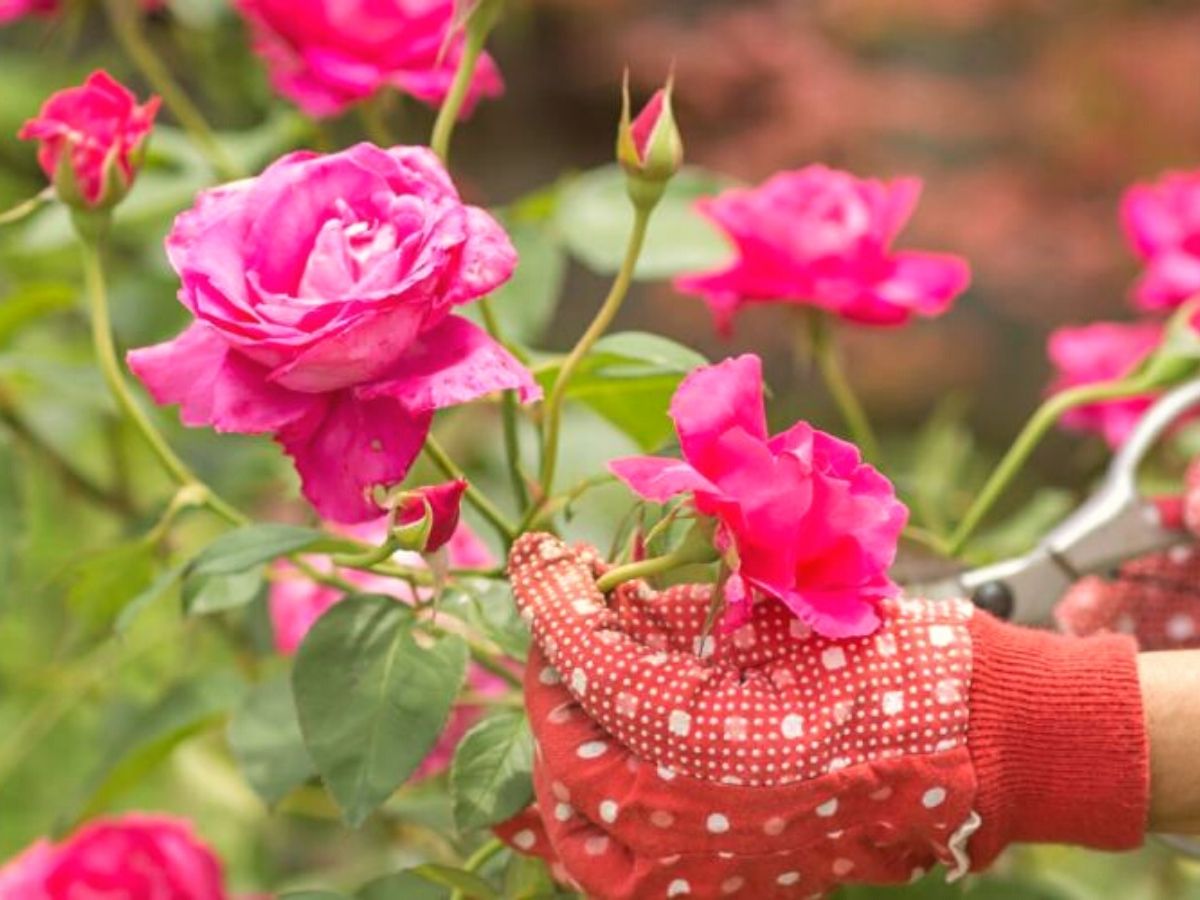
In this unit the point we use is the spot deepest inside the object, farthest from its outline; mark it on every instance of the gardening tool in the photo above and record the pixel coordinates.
(1116, 523)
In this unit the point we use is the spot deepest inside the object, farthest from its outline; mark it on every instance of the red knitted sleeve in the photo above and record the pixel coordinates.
(1058, 740)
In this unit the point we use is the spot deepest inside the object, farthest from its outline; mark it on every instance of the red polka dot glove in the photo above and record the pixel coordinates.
(1155, 598)
(770, 762)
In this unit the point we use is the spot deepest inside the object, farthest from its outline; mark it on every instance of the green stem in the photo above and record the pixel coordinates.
(686, 554)
(475, 497)
(508, 416)
(829, 362)
(26, 207)
(552, 416)
(110, 368)
(478, 860)
(479, 24)
(126, 21)
(1051, 410)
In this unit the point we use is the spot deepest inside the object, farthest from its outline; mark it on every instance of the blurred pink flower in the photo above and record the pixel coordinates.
(135, 856)
(1103, 351)
(16, 9)
(295, 602)
(92, 139)
(1162, 222)
(799, 516)
(327, 54)
(322, 292)
(823, 238)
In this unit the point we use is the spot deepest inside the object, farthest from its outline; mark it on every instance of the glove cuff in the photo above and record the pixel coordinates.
(1057, 739)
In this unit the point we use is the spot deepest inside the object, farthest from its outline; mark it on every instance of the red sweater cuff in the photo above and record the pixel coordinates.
(1058, 740)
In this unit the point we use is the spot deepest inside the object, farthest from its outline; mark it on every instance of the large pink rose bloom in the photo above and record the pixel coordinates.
(98, 130)
(131, 857)
(1103, 351)
(799, 516)
(296, 602)
(1162, 222)
(327, 54)
(323, 292)
(823, 238)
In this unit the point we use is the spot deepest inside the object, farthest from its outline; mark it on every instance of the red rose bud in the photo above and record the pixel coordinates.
(649, 147)
(427, 517)
(93, 138)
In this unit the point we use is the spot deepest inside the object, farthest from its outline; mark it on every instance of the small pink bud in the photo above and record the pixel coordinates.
(649, 147)
(427, 517)
(93, 139)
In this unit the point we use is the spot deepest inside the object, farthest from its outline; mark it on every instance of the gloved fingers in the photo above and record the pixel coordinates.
(668, 706)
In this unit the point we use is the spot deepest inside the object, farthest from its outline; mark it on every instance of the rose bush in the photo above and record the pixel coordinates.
(199, 637)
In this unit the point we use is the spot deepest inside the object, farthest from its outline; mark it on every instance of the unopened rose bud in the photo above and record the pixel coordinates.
(649, 147)
(93, 139)
(427, 517)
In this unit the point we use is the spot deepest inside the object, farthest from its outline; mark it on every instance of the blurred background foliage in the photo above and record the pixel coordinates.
(1026, 118)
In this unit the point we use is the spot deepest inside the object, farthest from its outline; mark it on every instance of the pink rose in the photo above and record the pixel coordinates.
(1103, 351)
(328, 54)
(92, 139)
(821, 237)
(799, 516)
(133, 857)
(1162, 221)
(323, 291)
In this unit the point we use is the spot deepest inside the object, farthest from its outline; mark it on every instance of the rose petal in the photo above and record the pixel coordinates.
(358, 444)
(454, 363)
(659, 479)
(216, 386)
(714, 399)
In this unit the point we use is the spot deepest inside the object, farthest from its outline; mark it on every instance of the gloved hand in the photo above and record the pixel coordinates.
(1155, 598)
(771, 762)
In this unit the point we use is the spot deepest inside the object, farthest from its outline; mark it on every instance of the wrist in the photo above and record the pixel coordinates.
(1058, 740)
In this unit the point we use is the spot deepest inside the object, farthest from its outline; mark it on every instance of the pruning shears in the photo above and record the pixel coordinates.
(1114, 524)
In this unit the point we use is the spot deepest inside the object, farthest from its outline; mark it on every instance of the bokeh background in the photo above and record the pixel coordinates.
(1026, 119)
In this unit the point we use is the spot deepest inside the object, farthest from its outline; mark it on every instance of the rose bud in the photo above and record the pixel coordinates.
(649, 147)
(93, 139)
(427, 517)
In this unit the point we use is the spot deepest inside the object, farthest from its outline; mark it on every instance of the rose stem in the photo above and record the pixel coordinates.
(125, 20)
(508, 416)
(26, 207)
(479, 24)
(552, 415)
(474, 496)
(477, 861)
(685, 554)
(825, 352)
(1051, 410)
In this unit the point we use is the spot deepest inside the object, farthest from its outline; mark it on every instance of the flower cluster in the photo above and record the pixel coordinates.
(323, 292)
(1162, 223)
(132, 856)
(799, 516)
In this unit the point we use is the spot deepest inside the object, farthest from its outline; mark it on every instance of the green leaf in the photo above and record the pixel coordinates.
(149, 736)
(103, 582)
(528, 878)
(629, 379)
(490, 775)
(241, 549)
(1178, 356)
(30, 302)
(158, 588)
(488, 607)
(371, 701)
(525, 305)
(402, 886)
(264, 736)
(313, 895)
(595, 217)
(203, 594)
(468, 883)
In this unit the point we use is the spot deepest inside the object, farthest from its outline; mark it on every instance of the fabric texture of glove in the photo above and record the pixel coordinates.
(770, 762)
